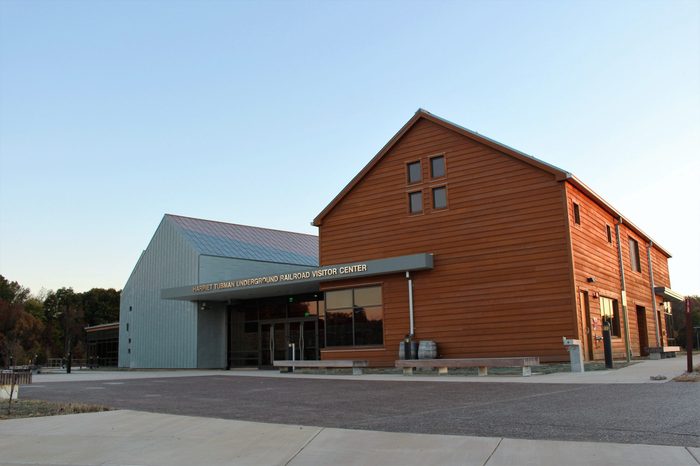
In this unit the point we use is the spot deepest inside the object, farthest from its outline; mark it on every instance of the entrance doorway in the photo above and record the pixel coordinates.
(588, 337)
(642, 328)
(277, 336)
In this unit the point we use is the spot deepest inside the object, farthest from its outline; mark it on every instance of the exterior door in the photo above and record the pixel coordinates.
(273, 343)
(304, 335)
(588, 332)
(642, 329)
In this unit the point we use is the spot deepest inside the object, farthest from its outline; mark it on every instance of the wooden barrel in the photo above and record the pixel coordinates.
(427, 349)
(414, 350)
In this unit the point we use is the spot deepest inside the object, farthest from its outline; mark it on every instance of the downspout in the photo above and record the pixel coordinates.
(410, 304)
(623, 291)
(653, 296)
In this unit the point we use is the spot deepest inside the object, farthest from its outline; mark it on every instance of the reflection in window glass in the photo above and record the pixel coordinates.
(368, 326)
(609, 313)
(361, 324)
(415, 202)
(338, 299)
(370, 296)
(339, 328)
(440, 198)
(437, 167)
(414, 172)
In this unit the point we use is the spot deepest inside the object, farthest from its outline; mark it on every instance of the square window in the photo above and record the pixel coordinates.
(440, 198)
(577, 214)
(414, 172)
(415, 202)
(437, 167)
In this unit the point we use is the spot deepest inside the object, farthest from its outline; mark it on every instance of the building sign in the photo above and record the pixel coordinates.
(286, 282)
(323, 272)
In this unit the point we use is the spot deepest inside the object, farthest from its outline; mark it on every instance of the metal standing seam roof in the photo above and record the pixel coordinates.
(221, 239)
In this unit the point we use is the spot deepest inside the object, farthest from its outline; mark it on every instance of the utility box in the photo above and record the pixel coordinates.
(575, 354)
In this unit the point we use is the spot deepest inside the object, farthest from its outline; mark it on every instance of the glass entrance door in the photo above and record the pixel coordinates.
(273, 343)
(303, 334)
(275, 338)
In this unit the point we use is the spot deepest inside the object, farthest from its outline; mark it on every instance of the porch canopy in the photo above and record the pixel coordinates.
(668, 294)
(304, 280)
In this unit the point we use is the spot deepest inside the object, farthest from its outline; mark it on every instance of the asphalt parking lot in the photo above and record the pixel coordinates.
(663, 414)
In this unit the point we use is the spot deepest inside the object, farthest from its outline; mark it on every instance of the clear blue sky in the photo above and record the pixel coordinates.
(114, 113)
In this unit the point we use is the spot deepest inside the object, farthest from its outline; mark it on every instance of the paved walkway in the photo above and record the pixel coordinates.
(139, 438)
(127, 437)
(640, 372)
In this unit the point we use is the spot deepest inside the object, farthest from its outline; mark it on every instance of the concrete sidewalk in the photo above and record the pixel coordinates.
(639, 372)
(140, 438)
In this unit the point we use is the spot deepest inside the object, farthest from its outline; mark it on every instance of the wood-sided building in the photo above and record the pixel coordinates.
(524, 253)
(448, 236)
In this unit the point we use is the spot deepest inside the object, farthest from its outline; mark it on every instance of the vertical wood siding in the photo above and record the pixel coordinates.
(501, 285)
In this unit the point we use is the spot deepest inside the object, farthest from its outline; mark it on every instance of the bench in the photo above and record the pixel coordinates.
(663, 352)
(483, 364)
(354, 364)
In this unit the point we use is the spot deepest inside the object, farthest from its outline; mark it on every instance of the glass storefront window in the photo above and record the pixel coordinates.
(339, 299)
(339, 328)
(354, 317)
(371, 296)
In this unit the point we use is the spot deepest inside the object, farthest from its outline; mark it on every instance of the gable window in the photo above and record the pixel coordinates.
(608, 232)
(577, 214)
(354, 317)
(440, 198)
(634, 256)
(415, 202)
(414, 172)
(610, 314)
(437, 166)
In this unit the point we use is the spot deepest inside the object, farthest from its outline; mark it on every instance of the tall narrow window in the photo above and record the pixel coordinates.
(415, 202)
(414, 172)
(577, 214)
(440, 198)
(634, 256)
(437, 166)
(610, 314)
(608, 232)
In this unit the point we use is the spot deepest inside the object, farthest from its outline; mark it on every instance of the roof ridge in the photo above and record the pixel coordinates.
(241, 225)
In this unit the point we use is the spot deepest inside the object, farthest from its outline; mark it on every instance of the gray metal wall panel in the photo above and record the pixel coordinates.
(211, 336)
(212, 269)
(163, 332)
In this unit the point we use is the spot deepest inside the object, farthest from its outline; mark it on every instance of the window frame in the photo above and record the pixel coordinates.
(635, 260)
(353, 309)
(444, 166)
(432, 197)
(613, 315)
(408, 172)
(410, 203)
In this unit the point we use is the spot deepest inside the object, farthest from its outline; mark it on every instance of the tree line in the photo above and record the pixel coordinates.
(34, 328)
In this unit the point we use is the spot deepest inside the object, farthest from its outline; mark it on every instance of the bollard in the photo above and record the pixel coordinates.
(607, 346)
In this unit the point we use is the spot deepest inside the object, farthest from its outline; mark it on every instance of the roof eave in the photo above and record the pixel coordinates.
(595, 197)
(558, 173)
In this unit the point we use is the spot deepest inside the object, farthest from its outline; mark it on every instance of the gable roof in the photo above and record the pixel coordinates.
(558, 173)
(221, 239)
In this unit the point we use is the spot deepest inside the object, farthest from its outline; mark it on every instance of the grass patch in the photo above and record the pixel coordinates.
(38, 408)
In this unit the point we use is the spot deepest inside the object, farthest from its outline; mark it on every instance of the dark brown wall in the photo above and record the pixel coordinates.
(502, 282)
(593, 256)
